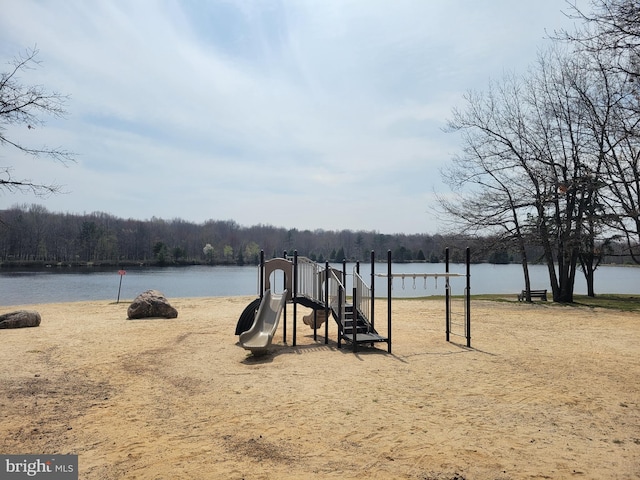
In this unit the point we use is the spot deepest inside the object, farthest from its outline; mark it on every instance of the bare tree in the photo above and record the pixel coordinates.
(492, 192)
(610, 34)
(22, 104)
(622, 163)
(556, 154)
(611, 27)
(530, 165)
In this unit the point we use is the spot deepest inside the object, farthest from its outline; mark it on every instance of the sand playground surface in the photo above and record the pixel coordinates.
(546, 391)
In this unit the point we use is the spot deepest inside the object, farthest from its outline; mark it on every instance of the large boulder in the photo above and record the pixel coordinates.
(151, 304)
(20, 319)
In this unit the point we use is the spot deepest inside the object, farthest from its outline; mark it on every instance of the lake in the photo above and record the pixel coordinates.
(68, 285)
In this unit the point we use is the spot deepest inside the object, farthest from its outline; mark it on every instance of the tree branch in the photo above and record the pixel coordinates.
(22, 104)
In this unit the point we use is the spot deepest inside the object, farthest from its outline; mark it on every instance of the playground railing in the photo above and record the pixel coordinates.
(308, 279)
(337, 295)
(362, 299)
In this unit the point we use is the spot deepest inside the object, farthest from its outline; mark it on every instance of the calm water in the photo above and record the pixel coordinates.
(58, 285)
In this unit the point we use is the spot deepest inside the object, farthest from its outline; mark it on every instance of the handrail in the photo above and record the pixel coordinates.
(337, 295)
(308, 279)
(362, 301)
(336, 300)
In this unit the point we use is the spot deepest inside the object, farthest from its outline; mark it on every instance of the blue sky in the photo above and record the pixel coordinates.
(324, 114)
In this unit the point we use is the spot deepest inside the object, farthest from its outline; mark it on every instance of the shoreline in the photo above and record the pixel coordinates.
(545, 391)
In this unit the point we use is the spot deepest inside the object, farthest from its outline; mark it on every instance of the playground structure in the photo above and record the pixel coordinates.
(323, 289)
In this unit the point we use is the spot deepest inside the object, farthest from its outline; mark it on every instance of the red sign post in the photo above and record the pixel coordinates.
(122, 273)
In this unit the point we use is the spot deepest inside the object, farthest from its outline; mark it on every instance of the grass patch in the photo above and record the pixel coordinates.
(625, 303)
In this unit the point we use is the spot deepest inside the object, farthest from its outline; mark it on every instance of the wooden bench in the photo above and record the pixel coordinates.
(541, 294)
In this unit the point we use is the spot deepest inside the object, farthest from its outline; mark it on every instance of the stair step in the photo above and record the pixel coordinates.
(349, 323)
(353, 317)
(349, 330)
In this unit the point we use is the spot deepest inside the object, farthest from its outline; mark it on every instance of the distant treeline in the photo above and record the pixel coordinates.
(30, 235)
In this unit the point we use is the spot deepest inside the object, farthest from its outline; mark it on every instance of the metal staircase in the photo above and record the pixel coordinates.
(364, 331)
(354, 325)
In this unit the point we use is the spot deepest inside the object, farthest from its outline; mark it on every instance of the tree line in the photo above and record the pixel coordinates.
(30, 235)
(552, 157)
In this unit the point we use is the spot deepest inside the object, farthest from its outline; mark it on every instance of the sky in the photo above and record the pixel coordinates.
(306, 114)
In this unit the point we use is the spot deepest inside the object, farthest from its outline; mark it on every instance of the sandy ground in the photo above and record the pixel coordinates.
(544, 392)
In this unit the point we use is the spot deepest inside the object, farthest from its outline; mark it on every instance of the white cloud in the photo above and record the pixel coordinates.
(302, 114)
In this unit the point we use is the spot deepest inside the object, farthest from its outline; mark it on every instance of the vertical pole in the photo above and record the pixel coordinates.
(356, 302)
(344, 283)
(389, 284)
(356, 310)
(447, 293)
(119, 287)
(315, 325)
(354, 314)
(326, 303)
(261, 275)
(295, 293)
(344, 273)
(284, 314)
(468, 298)
(341, 320)
(373, 289)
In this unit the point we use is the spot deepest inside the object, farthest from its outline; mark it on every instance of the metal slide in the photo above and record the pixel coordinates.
(264, 327)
